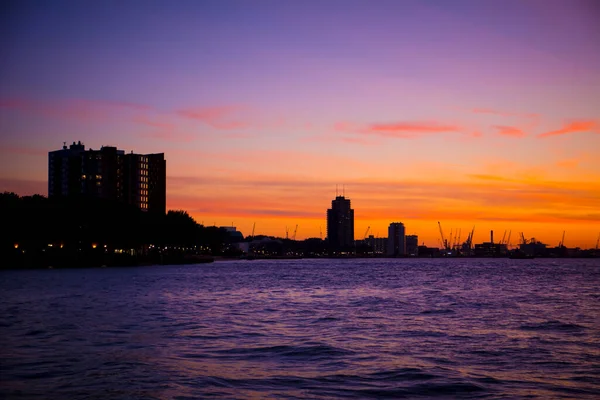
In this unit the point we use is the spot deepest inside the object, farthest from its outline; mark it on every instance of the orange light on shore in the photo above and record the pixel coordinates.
(16, 245)
(94, 245)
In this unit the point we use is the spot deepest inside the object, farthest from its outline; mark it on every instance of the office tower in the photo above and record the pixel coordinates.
(396, 240)
(340, 226)
(108, 173)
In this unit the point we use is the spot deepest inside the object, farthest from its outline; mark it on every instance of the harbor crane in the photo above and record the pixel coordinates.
(523, 240)
(598, 241)
(562, 241)
(367, 232)
(470, 238)
(253, 226)
(295, 231)
(444, 241)
(503, 237)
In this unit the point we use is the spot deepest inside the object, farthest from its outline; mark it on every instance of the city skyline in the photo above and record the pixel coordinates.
(463, 112)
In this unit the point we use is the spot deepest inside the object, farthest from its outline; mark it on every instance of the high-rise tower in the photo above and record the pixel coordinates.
(340, 226)
(396, 239)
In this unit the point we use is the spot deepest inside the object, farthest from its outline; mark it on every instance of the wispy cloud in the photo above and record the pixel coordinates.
(568, 163)
(574, 127)
(144, 120)
(503, 113)
(510, 131)
(221, 117)
(399, 130)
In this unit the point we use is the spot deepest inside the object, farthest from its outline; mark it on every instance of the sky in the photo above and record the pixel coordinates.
(480, 114)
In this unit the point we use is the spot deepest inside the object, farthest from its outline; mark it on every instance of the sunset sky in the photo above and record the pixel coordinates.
(471, 113)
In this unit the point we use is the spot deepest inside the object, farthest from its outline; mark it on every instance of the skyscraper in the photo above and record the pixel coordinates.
(396, 240)
(340, 226)
(108, 173)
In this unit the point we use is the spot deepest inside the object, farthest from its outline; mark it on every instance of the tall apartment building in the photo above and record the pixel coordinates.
(340, 226)
(396, 239)
(108, 173)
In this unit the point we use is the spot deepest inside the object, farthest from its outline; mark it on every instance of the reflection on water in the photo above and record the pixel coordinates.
(304, 329)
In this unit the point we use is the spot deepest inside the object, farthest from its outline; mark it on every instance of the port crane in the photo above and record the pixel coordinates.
(367, 232)
(598, 241)
(295, 231)
(253, 226)
(523, 240)
(444, 241)
(562, 241)
(470, 239)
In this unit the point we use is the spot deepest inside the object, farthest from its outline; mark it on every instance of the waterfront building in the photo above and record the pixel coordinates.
(412, 245)
(377, 245)
(340, 226)
(396, 239)
(108, 173)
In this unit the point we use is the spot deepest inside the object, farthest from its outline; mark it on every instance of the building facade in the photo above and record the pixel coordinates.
(340, 226)
(108, 173)
(396, 240)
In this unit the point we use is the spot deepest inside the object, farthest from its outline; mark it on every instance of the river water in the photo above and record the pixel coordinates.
(296, 329)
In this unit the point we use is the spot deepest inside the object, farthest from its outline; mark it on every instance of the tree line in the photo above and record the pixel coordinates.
(40, 230)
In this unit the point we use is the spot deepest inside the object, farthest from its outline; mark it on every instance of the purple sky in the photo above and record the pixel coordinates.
(242, 92)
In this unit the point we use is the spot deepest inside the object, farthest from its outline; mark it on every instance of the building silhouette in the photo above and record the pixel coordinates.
(108, 173)
(396, 239)
(340, 226)
(412, 245)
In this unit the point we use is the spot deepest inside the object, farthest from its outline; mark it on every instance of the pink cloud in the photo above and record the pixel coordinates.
(222, 117)
(402, 130)
(168, 135)
(509, 131)
(574, 127)
(152, 123)
(568, 163)
(503, 113)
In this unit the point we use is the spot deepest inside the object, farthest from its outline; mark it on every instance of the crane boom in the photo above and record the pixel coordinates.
(295, 231)
(562, 241)
(444, 243)
(367, 232)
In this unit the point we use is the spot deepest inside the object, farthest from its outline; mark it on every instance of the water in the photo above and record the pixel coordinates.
(472, 328)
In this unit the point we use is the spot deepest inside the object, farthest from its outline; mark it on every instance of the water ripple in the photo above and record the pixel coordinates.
(296, 329)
